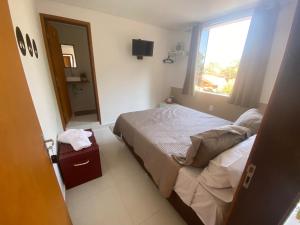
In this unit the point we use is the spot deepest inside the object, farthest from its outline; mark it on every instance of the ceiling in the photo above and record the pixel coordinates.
(171, 14)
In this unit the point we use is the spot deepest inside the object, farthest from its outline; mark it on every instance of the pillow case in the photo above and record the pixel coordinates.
(250, 119)
(207, 145)
(225, 170)
(215, 174)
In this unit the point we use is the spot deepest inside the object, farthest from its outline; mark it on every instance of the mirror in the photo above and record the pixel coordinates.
(69, 56)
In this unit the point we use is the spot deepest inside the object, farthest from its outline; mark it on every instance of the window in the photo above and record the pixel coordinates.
(220, 52)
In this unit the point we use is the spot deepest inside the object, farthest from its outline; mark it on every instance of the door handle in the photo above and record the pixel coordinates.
(250, 173)
(49, 144)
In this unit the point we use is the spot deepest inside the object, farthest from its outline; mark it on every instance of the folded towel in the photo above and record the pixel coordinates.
(78, 138)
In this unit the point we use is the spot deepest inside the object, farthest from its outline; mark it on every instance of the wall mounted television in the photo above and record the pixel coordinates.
(141, 48)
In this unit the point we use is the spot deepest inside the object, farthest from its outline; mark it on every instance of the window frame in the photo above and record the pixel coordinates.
(204, 38)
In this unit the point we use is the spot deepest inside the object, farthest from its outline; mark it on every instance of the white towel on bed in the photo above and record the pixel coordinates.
(78, 138)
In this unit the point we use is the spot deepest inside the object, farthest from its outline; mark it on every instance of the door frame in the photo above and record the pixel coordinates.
(47, 18)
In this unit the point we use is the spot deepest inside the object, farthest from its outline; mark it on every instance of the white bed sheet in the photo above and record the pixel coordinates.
(210, 209)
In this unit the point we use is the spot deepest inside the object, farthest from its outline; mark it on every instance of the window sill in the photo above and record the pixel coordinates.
(211, 93)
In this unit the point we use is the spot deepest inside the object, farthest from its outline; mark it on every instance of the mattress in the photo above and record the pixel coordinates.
(156, 134)
(209, 208)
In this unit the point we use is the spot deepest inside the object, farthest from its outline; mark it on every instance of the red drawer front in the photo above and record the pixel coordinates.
(80, 168)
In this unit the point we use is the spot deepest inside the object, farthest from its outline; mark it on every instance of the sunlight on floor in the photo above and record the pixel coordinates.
(85, 121)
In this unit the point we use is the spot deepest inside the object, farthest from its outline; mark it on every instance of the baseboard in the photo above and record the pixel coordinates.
(85, 112)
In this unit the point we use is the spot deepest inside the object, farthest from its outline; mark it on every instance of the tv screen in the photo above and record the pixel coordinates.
(142, 47)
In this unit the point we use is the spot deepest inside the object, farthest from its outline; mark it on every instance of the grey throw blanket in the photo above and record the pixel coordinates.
(209, 144)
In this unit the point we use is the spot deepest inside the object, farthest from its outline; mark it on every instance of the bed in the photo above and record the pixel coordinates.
(157, 134)
(209, 191)
(211, 209)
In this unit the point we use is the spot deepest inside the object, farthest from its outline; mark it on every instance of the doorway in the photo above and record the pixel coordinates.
(69, 48)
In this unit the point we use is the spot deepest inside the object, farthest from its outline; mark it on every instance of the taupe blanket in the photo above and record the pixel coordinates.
(156, 134)
(207, 145)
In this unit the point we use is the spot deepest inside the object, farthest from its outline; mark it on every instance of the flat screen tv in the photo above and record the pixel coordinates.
(142, 48)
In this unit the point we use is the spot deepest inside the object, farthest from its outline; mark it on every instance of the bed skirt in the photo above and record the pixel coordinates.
(186, 212)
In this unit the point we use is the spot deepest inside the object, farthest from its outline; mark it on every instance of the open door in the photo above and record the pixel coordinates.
(271, 186)
(29, 193)
(57, 65)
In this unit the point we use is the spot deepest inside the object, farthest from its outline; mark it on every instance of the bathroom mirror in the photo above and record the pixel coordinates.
(69, 56)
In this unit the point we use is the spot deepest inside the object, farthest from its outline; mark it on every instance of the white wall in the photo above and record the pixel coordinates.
(24, 15)
(283, 29)
(124, 83)
(177, 71)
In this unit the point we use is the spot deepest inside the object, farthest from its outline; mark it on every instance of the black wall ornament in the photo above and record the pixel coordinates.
(35, 49)
(20, 40)
(29, 45)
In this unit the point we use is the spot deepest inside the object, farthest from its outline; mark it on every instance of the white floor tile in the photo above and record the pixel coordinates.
(99, 208)
(166, 216)
(141, 198)
(84, 122)
(124, 195)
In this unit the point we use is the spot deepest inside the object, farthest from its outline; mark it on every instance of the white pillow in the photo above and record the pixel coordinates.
(236, 169)
(225, 170)
(250, 119)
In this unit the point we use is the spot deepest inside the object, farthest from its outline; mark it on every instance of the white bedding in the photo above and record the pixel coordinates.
(210, 209)
(210, 191)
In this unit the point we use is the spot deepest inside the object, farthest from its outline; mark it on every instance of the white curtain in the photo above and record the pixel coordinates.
(254, 61)
(189, 83)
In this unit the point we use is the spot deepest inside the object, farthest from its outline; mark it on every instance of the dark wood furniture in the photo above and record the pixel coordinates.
(186, 212)
(78, 167)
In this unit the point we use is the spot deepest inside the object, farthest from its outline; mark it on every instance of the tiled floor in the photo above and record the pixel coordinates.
(84, 120)
(124, 195)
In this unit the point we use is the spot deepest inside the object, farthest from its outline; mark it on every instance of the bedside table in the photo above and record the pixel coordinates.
(78, 167)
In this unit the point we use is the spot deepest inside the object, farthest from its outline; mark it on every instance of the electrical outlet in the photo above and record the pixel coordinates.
(211, 108)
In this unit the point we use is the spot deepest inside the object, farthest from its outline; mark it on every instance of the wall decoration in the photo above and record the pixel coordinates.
(29, 45)
(35, 49)
(20, 40)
